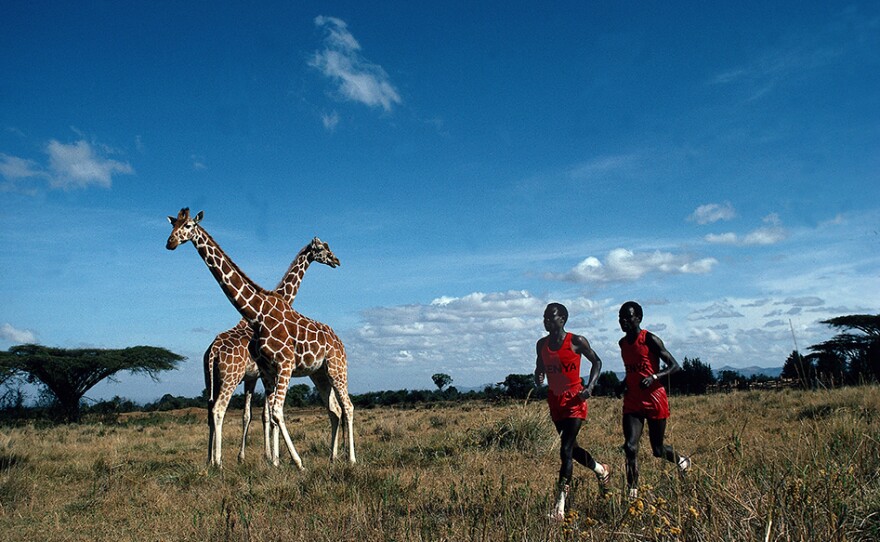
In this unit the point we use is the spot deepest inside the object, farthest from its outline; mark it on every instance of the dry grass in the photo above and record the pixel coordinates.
(769, 465)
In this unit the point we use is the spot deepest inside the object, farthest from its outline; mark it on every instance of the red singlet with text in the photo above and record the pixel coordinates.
(563, 370)
(640, 363)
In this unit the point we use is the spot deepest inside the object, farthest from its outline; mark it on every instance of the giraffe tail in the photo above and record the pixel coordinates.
(209, 367)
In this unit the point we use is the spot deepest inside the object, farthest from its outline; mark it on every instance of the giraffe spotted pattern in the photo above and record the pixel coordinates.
(285, 343)
(228, 361)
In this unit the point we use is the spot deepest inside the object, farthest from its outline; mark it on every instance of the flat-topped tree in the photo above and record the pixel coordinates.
(69, 373)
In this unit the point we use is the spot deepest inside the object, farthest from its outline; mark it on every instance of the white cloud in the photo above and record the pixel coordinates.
(728, 238)
(604, 165)
(713, 212)
(14, 168)
(719, 309)
(770, 234)
(78, 166)
(20, 336)
(477, 338)
(622, 265)
(330, 120)
(805, 301)
(357, 79)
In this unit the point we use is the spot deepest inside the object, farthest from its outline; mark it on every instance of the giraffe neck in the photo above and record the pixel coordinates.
(241, 291)
(289, 285)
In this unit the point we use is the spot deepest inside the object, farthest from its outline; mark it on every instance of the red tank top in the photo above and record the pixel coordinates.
(639, 362)
(562, 367)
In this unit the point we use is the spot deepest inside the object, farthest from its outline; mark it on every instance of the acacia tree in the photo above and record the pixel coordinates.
(857, 347)
(69, 373)
(441, 380)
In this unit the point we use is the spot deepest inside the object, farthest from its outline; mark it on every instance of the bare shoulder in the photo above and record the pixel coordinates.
(650, 337)
(654, 342)
(579, 341)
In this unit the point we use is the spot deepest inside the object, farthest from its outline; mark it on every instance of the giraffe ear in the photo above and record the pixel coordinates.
(171, 219)
(199, 217)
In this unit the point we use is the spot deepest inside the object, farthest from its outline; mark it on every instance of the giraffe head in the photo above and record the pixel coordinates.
(182, 228)
(320, 252)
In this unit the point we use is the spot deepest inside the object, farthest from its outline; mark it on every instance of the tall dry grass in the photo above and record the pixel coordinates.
(768, 466)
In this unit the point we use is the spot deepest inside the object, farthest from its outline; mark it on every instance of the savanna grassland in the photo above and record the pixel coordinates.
(769, 465)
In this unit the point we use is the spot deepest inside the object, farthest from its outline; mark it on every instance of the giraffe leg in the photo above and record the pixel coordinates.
(211, 429)
(268, 378)
(249, 386)
(220, 393)
(278, 420)
(328, 397)
(347, 417)
(208, 367)
(218, 412)
(269, 432)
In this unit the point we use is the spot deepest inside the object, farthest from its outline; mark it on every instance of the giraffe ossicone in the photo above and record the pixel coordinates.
(285, 343)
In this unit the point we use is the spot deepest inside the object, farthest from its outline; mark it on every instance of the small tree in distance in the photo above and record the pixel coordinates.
(518, 386)
(441, 380)
(69, 373)
(607, 384)
(695, 377)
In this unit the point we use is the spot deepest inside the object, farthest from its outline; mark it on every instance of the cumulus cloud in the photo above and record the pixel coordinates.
(13, 168)
(771, 233)
(622, 265)
(712, 212)
(356, 78)
(75, 165)
(15, 335)
(78, 165)
(484, 336)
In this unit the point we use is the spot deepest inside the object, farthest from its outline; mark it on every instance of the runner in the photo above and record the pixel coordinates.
(645, 397)
(559, 359)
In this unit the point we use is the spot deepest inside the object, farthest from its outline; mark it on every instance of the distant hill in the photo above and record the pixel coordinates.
(749, 372)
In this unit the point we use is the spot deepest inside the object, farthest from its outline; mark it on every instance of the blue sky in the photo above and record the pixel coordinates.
(468, 162)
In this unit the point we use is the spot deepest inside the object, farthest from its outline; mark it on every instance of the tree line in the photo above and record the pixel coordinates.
(64, 376)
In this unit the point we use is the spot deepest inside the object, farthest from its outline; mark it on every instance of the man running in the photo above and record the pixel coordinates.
(645, 397)
(559, 359)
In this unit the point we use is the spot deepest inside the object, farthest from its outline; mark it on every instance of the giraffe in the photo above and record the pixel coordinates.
(227, 361)
(285, 343)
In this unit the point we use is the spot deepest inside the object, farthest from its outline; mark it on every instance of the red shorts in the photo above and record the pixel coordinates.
(652, 404)
(567, 405)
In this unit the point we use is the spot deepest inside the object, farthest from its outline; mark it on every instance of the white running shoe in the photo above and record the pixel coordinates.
(604, 480)
(684, 464)
(556, 516)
